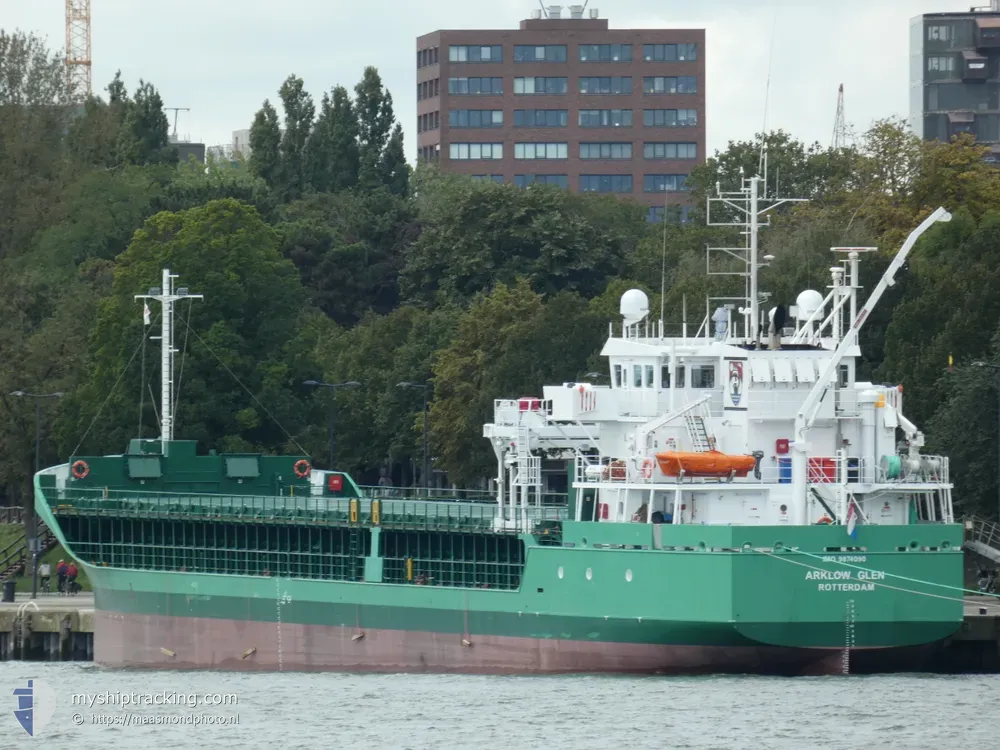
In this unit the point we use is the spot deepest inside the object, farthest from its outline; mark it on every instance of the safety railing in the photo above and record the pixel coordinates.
(984, 532)
(408, 513)
(427, 493)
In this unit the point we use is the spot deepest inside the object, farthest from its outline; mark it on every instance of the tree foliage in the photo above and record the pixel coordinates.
(320, 261)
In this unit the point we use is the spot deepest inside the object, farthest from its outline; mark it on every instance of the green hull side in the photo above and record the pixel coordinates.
(628, 583)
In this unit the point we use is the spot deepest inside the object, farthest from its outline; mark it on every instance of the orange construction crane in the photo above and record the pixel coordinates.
(78, 76)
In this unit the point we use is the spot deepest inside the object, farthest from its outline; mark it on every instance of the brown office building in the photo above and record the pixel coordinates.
(565, 100)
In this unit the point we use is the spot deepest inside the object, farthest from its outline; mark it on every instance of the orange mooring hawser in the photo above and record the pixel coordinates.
(707, 464)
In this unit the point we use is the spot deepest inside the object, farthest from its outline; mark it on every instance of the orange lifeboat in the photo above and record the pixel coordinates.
(707, 464)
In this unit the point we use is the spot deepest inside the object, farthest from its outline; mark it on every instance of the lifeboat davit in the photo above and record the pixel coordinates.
(706, 464)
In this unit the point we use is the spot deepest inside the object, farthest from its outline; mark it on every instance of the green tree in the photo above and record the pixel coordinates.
(476, 234)
(349, 248)
(373, 105)
(333, 145)
(395, 170)
(144, 137)
(33, 118)
(244, 350)
(508, 344)
(265, 145)
(299, 111)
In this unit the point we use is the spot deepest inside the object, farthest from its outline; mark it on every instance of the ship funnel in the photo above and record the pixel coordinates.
(634, 306)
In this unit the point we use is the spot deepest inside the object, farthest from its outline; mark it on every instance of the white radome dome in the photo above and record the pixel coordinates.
(634, 306)
(807, 303)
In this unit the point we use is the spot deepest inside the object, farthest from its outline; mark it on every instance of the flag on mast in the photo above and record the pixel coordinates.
(852, 519)
(145, 313)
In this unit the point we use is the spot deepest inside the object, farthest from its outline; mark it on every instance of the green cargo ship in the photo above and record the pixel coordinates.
(733, 506)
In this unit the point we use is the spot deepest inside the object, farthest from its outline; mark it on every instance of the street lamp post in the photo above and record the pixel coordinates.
(997, 369)
(333, 402)
(31, 527)
(425, 478)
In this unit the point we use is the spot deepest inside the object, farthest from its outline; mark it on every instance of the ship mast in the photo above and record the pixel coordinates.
(746, 204)
(166, 297)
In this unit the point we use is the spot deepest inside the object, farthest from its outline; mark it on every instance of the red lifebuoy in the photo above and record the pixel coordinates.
(302, 468)
(647, 468)
(80, 469)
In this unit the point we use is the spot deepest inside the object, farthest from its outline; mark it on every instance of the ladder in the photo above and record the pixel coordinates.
(701, 441)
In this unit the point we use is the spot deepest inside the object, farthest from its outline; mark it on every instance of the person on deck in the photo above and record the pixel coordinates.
(61, 576)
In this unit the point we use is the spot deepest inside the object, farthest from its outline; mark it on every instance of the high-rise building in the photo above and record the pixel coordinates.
(955, 75)
(566, 100)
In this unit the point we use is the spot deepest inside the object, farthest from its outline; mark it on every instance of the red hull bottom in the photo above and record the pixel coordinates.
(157, 641)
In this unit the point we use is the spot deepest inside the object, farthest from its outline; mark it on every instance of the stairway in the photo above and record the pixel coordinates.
(14, 557)
(983, 538)
(701, 441)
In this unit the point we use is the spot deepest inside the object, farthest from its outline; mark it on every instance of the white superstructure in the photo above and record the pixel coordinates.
(825, 446)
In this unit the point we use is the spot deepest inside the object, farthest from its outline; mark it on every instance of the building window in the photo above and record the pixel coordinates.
(670, 151)
(541, 53)
(428, 89)
(673, 214)
(605, 150)
(475, 118)
(497, 178)
(541, 85)
(669, 118)
(605, 118)
(475, 53)
(559, 180)
(475, 86)
(670, 85)
(943, 64)
(605, 53)
(540, 118)
(541, 150)
(938, 33)
(664, 183)
(429, 121)
(670, 52)
(665, 376)
(606, 85)
(605, 183)
(703, 376)
(427, 57)
(475, 151)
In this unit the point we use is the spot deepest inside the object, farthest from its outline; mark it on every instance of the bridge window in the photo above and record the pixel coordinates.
(649, 376)
(665, 376)
(618, 376)
(637, 376)
(703, 376)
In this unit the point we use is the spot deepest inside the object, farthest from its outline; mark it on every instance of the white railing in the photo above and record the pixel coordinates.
(507, 411)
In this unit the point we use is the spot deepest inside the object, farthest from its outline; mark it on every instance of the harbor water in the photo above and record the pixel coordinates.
(310, 710)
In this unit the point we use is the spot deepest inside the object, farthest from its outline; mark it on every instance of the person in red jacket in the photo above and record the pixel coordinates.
(71, 578)
(61, 576)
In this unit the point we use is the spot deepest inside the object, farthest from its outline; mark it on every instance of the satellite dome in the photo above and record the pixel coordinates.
(634, 306)
(807, 303)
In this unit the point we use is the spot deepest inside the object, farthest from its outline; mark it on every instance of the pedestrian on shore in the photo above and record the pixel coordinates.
(45, 573)
(71, 578)
(61, 576)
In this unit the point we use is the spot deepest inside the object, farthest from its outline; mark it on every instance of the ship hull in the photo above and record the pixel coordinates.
(135, 641)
